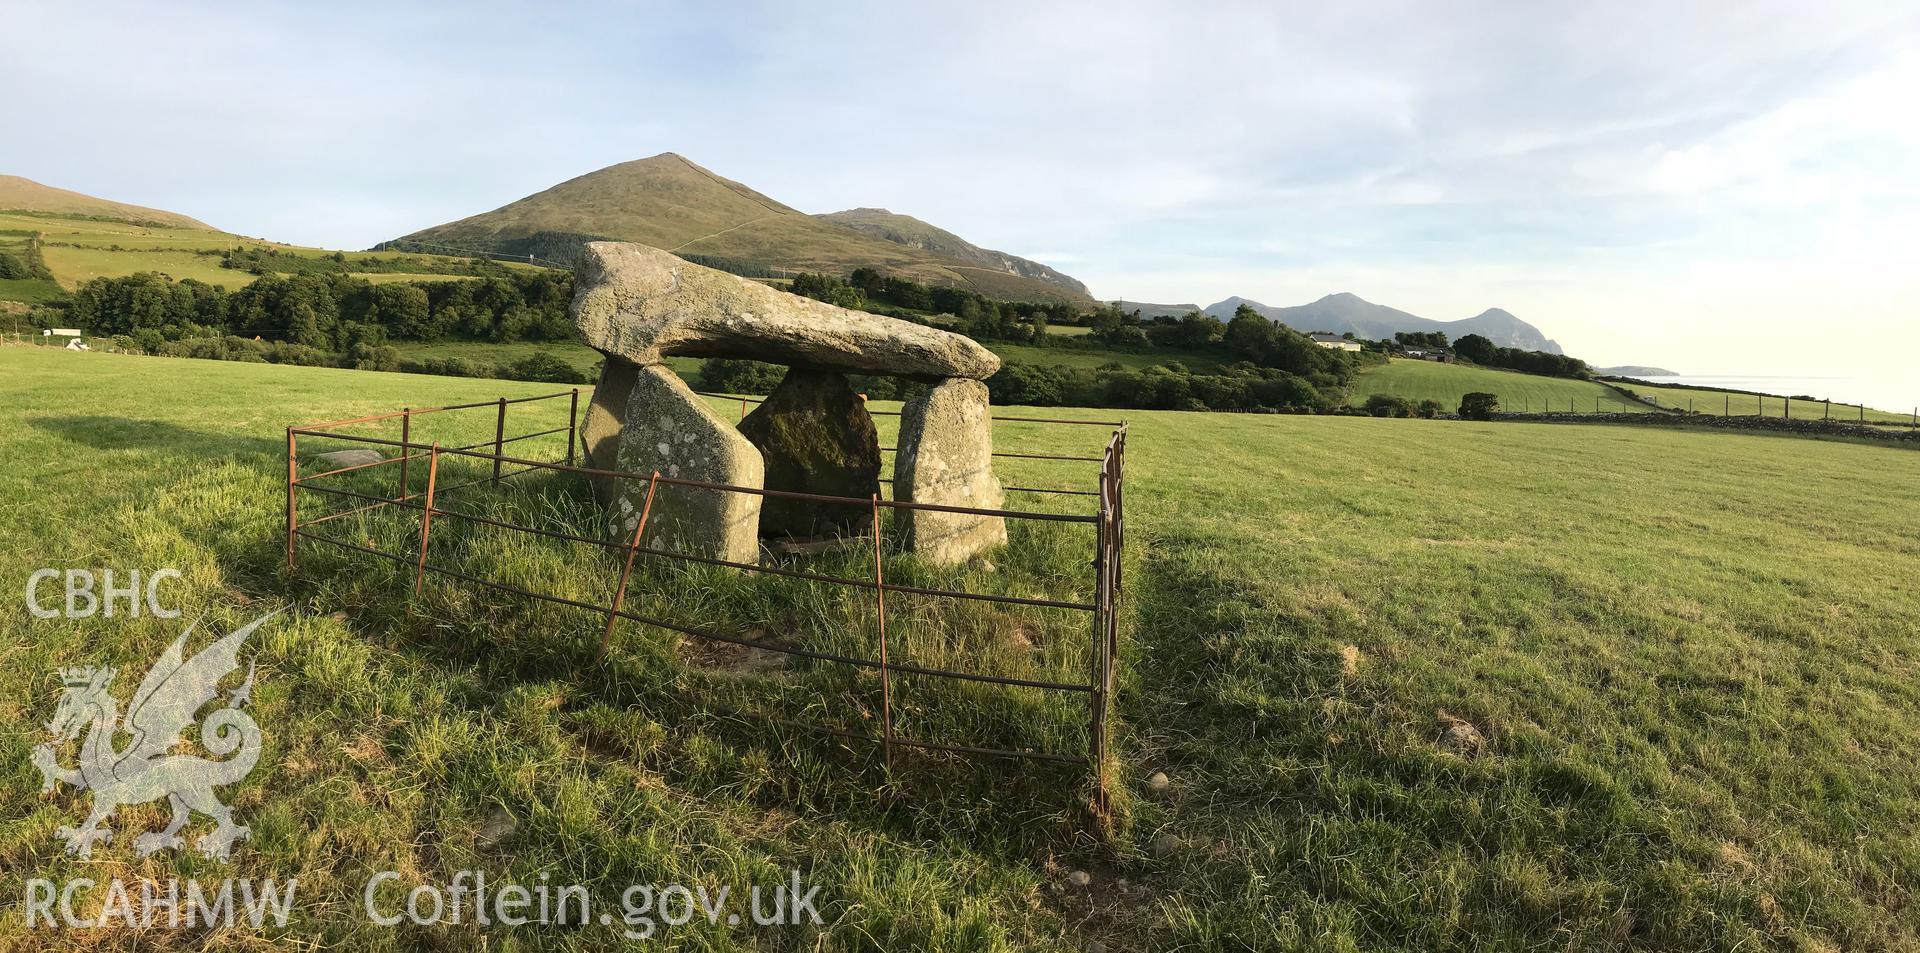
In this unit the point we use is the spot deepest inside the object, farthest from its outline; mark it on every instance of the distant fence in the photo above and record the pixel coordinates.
(1726, 405)
(412, 457)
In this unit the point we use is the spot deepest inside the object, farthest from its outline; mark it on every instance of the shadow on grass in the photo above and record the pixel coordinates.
(1013, 808)
(101, 432)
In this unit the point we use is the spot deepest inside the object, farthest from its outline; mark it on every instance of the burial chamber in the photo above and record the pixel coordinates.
(639, 305)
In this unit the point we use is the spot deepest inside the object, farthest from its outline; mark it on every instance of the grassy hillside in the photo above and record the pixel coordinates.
(1719, 403)
(26, 195)
(668, 202)
(1699, 709)
(914, 233)
(78, 249)
(1446, 383)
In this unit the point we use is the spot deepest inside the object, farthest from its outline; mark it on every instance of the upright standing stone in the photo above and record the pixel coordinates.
(946, 457)
(606, 414)
(815, 436)
(666, 427)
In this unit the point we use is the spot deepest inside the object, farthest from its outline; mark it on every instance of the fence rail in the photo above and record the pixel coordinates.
(431, 506)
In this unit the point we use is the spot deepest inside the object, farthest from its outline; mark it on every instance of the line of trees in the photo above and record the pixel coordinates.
(1237, 386)
(27, 262)
(332, 312)
(972, 314)
(1249, 337)
(1482, 351)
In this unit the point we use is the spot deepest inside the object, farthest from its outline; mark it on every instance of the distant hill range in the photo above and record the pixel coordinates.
(1635, 370)
(1344, 312)
(914, 233)
(670, 203)
(25, 195)
(1149, 310)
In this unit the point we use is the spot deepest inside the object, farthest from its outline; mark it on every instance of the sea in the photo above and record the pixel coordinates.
(1880, 394)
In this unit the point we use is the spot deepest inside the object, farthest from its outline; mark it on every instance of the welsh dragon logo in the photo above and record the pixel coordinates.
(157, 719)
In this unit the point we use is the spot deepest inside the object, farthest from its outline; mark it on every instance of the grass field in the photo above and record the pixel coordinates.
(30, 290)
(1719, 403)
(1694, 657)
(1447, 383)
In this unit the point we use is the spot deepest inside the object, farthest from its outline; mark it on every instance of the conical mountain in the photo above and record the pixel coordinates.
(671, 203)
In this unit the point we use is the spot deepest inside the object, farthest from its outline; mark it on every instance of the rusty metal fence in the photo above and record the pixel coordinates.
(431, 504)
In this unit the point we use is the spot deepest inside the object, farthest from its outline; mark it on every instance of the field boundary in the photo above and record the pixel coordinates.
(1108, 521)
(1808, 427)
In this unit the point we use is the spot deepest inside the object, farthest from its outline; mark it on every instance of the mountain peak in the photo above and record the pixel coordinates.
(1345, 311)
(670, 202)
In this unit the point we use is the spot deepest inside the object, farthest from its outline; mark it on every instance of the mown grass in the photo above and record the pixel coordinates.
(1693, 657)
(1447, 383)
(1723, 403)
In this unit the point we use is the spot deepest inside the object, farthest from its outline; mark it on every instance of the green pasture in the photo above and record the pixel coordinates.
(1447, 383)
(1416, 685)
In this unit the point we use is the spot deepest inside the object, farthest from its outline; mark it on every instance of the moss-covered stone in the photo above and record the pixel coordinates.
(815, 436)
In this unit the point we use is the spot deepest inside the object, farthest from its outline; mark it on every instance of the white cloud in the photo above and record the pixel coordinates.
(1641, 179)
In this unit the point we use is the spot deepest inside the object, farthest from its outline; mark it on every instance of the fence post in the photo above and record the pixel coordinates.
(1786, 408)
(499, 437)
(880, 614)
(633, 549)
(573, 423)
(426, 519)
(1103, 632)
(406, 448)
(1826, 412)
(293, 481)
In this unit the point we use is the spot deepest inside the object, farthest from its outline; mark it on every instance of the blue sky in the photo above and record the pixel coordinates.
(1720, 189)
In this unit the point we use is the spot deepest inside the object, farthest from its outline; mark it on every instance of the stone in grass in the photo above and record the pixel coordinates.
(499, 826)
(1164, 845)
(1460, 737)
(815, 435)
(1158, 784)
(349, 458)
(1079, 879)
